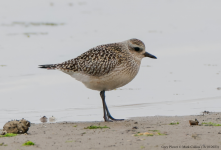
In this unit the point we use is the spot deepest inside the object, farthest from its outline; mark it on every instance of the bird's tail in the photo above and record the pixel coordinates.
(49, 67)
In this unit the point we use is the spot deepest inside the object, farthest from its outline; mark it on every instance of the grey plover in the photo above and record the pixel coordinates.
(106, 67)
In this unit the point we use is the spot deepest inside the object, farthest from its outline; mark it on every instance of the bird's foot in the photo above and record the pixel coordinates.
(107, 120)
(112, 118)
(118, 119)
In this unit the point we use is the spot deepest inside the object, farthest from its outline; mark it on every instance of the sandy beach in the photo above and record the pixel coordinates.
(124, 135)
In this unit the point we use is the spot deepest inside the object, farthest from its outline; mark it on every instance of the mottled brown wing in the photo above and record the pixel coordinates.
(96, 62)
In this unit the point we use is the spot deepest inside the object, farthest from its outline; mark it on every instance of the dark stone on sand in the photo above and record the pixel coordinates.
(44, 119)
(196, 122)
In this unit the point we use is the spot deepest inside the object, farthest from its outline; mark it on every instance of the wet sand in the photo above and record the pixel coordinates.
(121, 135)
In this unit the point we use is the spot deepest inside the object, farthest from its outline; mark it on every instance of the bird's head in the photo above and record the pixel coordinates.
(137, 48)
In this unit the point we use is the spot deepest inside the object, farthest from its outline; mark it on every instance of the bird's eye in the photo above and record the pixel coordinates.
(137, 49)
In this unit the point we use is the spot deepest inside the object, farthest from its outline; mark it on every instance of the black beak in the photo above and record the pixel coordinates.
(149, 55)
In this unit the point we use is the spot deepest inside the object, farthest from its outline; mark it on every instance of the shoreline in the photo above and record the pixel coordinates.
(152, 132)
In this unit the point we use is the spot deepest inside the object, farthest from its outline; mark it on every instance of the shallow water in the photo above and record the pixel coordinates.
(184, 35)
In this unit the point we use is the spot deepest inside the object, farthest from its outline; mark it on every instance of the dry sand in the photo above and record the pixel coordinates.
(73, 135)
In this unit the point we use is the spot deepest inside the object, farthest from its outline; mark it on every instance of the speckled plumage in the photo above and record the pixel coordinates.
(105, 67)
(97, 61)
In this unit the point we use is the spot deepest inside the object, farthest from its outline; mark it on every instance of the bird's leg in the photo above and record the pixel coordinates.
(109, 115)
(105, 105)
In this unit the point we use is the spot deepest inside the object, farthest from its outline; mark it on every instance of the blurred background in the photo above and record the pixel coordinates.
(185, 36)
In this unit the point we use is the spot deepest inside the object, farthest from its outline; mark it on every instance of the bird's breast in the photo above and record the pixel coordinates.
(118, 77)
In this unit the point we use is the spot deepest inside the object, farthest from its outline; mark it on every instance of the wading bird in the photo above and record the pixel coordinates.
(106, 67)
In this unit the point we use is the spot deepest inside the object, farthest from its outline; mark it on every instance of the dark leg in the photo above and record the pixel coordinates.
(109, 115)
(105, 108)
